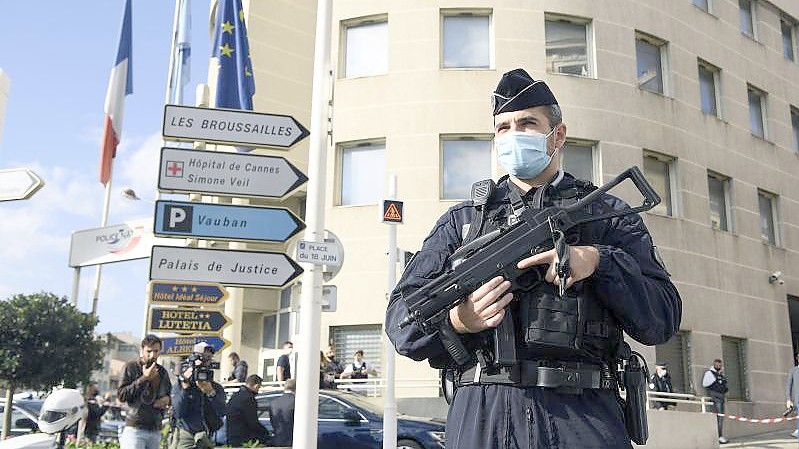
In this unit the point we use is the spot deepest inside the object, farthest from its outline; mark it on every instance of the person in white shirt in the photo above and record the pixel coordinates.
(715, 384)
(358, 368)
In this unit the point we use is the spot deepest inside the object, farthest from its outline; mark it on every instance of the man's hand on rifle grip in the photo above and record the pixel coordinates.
(583, 261)
(483, 309)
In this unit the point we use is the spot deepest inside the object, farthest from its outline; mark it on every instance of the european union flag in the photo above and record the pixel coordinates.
(235, 85)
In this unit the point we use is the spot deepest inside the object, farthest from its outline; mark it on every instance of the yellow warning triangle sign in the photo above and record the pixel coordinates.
(392, 213)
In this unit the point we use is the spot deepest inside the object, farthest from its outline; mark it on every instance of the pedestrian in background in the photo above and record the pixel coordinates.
(239, 373)
(715, 384)
(198, 405)
(145, 388)
(332, 370)
(96, 410)
(358, 368)
(281, 414)
(661, 382)
(242, 415)
(792, 391)
(284, 362)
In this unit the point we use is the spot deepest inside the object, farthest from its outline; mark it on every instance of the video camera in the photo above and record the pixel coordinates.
(200, 362)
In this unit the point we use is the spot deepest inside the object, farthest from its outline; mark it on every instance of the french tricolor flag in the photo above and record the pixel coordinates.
(120, 85)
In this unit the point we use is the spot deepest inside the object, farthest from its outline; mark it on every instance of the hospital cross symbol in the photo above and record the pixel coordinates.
(174, 169)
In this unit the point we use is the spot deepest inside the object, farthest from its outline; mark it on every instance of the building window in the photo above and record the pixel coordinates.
(650, 54)
(466, 40)
(702, 4)
(676, 353)
(709, 88)
(733, 356)
(285, 298)
(795, 126)
(464, 161)
(767, 205)
(362, 170)
(746, 16)
(578, 159)
(757, 107)
(568, 46)
(719, 192)
(365, 47)
(787, 26)
(658, 170)
(270, 332)
(366, 338)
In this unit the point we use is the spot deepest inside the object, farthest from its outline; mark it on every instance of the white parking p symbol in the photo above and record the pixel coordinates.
(178, 218)
(176, 215)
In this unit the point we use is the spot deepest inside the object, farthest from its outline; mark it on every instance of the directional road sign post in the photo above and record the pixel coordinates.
(187, 293)
(225, 221)
(183, 346)
(235, 127)
(228, 267)
(234, 174)
(18, 184)
(187, 321)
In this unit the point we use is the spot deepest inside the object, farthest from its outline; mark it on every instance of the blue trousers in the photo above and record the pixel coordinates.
(500, 416)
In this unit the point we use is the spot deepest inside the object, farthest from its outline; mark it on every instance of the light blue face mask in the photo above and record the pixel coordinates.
(523, 154)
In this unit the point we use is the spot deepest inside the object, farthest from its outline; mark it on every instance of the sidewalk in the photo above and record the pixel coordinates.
(774, 440)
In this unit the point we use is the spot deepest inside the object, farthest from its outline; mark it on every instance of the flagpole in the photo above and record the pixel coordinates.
(167, 100)
(169, 80)
(103, 223)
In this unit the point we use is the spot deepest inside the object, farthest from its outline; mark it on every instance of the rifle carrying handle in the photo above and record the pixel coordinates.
(651, 198)
(643, 186)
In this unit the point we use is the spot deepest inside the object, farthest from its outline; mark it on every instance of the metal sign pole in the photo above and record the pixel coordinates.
(307, 399)
(75, 285)
(389, 398)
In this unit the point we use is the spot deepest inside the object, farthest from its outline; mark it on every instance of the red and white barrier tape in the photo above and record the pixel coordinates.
(758, 421)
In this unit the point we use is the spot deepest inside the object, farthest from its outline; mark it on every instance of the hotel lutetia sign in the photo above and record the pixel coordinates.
(187, 321)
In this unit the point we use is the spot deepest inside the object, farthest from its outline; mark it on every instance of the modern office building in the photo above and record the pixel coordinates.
(703, 95)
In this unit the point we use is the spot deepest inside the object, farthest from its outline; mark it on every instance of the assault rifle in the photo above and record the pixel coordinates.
(499, 252)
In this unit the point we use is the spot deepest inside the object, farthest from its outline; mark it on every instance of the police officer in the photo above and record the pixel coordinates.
(548, 398)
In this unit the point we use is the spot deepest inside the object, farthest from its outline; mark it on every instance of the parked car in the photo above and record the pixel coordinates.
(111, 425)
(348, 420)
(24, 416)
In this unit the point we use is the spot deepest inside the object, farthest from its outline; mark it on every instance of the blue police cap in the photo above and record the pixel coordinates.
(517, 90)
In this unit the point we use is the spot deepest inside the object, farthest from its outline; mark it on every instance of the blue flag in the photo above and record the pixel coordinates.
(235, 85)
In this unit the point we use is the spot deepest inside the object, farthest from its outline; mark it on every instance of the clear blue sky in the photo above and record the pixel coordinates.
(59, 56)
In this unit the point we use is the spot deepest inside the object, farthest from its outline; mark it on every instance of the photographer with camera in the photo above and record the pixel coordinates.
(198, 402)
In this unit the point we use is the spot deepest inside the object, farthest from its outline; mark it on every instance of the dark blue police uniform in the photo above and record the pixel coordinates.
(629, 282)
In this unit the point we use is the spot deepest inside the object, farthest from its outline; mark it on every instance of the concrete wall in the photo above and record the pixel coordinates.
(685, 430)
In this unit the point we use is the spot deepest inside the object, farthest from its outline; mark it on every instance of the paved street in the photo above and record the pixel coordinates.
(775, 440)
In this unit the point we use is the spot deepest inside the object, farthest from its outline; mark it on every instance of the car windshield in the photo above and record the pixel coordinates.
(31, 406)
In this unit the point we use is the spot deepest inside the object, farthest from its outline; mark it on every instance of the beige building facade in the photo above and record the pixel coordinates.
(702, 95)
(118, 349)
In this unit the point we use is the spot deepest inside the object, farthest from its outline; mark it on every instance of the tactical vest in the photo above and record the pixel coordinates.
(575, 327)
(719, 385)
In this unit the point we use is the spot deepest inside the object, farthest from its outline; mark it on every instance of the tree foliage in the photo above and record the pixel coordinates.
(45, 341)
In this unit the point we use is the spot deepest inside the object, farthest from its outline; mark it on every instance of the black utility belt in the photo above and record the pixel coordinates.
(533, 374)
